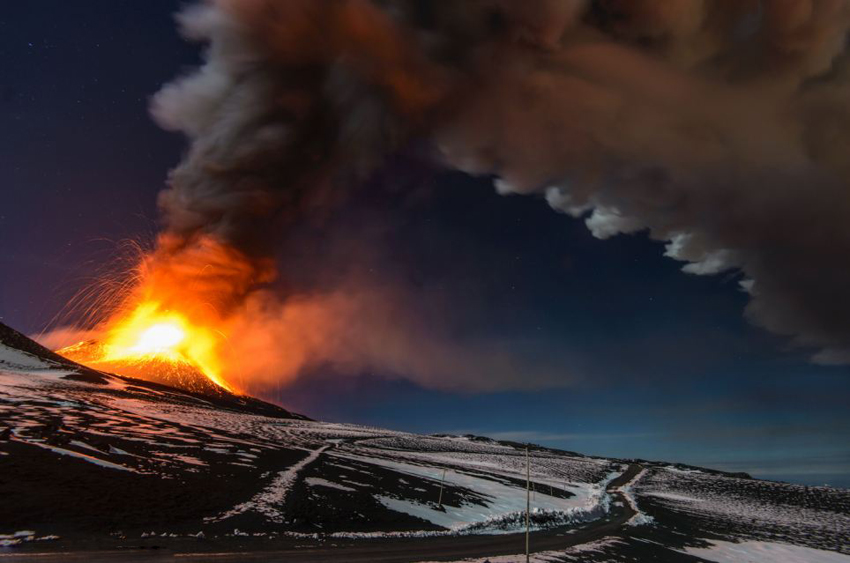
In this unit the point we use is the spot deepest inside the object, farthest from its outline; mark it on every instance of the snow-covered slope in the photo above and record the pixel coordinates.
(85, 455)
(270, 473)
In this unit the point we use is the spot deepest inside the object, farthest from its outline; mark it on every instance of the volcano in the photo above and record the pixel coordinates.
(94, 464)
(68, 369)
(178, 372)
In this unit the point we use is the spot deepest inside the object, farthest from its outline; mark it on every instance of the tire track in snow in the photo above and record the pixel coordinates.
(269, 501)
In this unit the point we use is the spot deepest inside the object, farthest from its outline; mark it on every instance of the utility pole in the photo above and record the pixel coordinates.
(440, 502)
(527, 501)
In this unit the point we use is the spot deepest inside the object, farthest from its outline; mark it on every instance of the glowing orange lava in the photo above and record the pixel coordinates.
(149, 333)
(160, 338)
(171, 317)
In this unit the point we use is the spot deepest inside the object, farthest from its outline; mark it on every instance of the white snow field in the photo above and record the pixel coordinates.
(764, 552)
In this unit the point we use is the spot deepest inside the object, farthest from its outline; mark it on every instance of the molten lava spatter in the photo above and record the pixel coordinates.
(157, 345)
(173, 315)
(161, 338)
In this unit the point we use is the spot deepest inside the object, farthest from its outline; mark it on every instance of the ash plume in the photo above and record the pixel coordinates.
(720, 127)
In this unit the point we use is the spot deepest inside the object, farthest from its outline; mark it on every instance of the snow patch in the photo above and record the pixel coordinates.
(639, 519)
(22, 536)
(575, 553)
(672, 496)
(499, 502)
(319, 482)
(10, 358)
(78, 455)
(764, 552)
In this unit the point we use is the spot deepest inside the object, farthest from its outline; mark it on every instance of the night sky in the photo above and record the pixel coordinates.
(657, 364)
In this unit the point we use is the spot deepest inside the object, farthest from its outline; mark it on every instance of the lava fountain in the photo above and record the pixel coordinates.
(171, 325)
(159, 345)
(151, 334)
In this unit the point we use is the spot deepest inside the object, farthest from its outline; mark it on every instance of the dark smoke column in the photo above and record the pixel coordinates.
(722, 127)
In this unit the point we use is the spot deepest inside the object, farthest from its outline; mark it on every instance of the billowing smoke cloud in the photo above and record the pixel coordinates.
(296, 100)
(720, 127)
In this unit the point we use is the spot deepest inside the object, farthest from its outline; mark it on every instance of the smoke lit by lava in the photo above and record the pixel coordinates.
(719, 128)
(171, 325)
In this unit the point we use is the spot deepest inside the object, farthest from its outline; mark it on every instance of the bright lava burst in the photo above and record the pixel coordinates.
(169, 318)
(151, 334)
(158, 345)
(160, 338)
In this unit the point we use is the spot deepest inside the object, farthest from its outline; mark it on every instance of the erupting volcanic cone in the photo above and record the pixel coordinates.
(174, 372)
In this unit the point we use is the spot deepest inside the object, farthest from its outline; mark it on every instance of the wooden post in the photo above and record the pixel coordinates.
(440, 502)
(527, 502)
